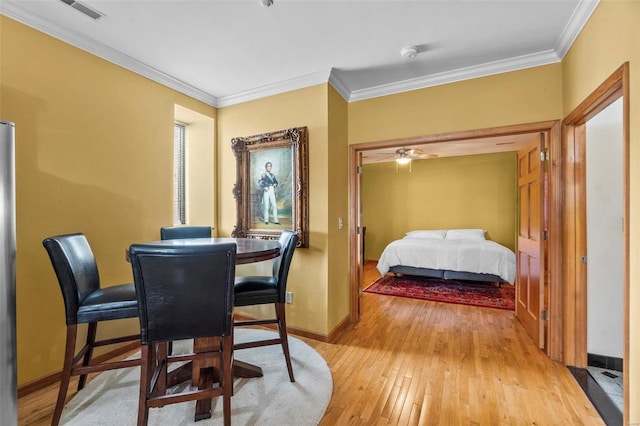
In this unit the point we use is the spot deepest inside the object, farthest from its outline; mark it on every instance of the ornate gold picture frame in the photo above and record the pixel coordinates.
(271, 185)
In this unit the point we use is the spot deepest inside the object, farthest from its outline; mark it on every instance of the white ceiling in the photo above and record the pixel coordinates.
(225, 52)
(452, 148)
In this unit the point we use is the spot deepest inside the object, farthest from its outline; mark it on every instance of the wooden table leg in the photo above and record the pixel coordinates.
(185, 372)
(246, 370)
(180, 374)
(204, 375)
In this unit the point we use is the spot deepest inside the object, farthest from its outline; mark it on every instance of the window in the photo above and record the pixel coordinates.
(179, 187)
(193, 198)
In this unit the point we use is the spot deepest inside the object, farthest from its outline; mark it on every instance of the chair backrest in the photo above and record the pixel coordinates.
(180, 232)
(76, 269)
(184, 292)
(288, 242)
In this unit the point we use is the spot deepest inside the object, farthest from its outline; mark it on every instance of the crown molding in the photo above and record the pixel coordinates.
(14, 11)
(578, 20)
(301, 82)
(476, 71)
(339, 85)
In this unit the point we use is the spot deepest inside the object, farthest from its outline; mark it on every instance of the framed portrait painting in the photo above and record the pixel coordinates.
(271, 185)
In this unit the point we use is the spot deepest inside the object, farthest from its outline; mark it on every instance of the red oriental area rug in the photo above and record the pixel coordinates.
(487, 295)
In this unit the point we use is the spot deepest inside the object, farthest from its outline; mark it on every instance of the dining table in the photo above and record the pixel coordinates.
(202, 372)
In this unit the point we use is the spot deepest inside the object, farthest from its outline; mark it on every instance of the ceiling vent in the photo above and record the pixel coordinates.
(81, 7)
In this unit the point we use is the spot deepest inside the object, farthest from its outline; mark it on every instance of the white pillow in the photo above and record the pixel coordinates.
(436, 234)
(465, 234)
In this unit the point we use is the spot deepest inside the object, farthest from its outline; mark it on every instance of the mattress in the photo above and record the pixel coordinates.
(476, 256)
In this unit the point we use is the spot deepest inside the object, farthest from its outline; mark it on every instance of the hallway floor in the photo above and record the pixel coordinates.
(612, 386)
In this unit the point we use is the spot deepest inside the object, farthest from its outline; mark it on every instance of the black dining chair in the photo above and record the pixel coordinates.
(180, 232)
(184, 292)
(260, 290)
(86, 302)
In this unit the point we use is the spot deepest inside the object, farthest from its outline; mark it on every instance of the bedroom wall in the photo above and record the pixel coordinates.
(476, 191)
(94, 154)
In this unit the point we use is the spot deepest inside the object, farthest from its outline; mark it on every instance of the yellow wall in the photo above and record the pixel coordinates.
(475, 191)
(94, 149)
(611, 38)
(199, 166)
(338, 201)
(519, 97)
(305, 107)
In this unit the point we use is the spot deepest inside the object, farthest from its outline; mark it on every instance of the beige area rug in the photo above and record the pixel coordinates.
(112, 397)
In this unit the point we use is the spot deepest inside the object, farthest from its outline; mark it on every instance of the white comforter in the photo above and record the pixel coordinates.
(478, 256)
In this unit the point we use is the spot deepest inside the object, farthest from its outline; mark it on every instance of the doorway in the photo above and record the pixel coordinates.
(581, 284)
(552, 269)
(605, 243)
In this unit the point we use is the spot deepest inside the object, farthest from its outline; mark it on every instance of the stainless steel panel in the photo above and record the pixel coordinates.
(8, 362)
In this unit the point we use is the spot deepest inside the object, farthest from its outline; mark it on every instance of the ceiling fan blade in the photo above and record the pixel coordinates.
(424, 156)
(386, 157)
(381, 153)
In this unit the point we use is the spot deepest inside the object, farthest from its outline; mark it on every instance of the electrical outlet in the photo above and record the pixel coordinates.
(288, 297)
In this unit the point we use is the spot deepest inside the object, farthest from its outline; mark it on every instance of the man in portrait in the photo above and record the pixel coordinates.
(267, 185)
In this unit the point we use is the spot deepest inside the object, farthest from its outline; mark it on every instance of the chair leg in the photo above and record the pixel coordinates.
(91, 339)
(69, 353)
(282, 329)
(232, 356)
(226, 378)
(160, 364)
(146, 373)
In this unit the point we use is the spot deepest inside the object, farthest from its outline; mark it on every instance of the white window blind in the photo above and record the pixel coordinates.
(179, 214)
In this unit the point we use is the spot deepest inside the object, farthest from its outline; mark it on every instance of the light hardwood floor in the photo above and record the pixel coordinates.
(412, 362)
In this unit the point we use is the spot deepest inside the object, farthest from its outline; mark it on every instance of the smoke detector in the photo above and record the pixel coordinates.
(409, 52)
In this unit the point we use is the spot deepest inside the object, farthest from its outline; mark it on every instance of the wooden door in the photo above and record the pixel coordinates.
(530, 251)
(360, 244)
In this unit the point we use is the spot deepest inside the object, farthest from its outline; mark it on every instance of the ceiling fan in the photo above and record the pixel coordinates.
(404, 155)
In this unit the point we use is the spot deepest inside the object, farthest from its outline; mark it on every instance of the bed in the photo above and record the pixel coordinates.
(457, 254)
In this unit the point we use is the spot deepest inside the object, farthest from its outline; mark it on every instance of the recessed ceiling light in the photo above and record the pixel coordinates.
(266, 3)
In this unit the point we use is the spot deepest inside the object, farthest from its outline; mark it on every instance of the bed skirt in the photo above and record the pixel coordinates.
(445, 274)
